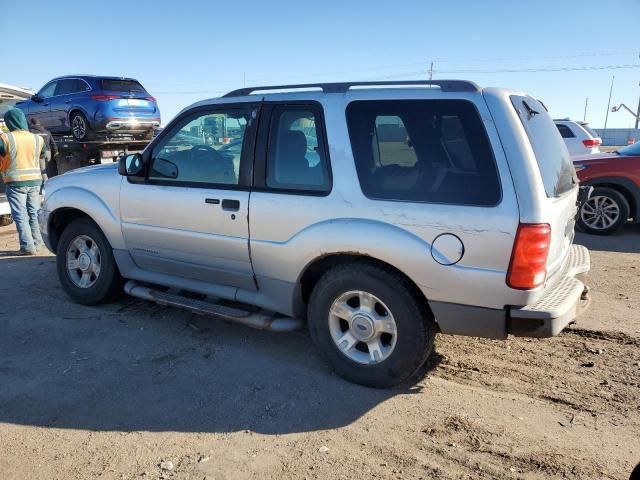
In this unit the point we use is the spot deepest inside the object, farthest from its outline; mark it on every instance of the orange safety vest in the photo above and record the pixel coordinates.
(21, 161)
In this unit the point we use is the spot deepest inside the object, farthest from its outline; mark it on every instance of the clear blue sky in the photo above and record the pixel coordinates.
(186, 51)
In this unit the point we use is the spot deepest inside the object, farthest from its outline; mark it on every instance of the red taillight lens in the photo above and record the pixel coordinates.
(590, 143)
(528, 266)
(151, 99)
(103, 98)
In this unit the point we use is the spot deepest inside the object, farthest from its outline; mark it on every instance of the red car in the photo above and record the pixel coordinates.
(615, 177)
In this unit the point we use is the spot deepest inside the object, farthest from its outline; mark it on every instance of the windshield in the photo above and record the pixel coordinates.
(631, 150)
(554, 161)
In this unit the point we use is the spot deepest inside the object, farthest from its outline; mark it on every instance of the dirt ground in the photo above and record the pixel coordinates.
(116, 391)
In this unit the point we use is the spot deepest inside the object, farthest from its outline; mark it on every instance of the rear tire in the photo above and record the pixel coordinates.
(353, 310)
(5, 220)
(79, 126)
(605, 212)
(86, 268)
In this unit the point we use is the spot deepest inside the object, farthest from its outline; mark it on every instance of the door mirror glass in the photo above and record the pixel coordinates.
(130, 165)
(165, 169)
(36, 98)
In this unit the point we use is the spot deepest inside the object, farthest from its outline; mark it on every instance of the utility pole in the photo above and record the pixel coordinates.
(638, 113)
(586, 102)
(609, 104)
(431, 71)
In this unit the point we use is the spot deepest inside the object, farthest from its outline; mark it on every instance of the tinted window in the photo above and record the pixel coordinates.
(423, 151)
(203, 148)
(121, 85)
(65, 86)
(294, 161)
(565, 131)
(552, 156)
(79, 86)
(48, 90)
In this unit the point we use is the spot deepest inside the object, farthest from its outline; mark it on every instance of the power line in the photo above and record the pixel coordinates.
(421, 72)
(387, 67)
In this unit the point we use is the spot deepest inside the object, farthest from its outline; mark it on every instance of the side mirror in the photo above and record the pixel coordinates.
(36, 98)
(130, 165)
(165, 168)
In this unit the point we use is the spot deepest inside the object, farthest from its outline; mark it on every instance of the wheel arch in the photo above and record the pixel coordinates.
(76, 109)
(67, 204)
(320, 265)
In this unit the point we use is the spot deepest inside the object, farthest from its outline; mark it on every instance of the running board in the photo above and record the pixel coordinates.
(261, 320)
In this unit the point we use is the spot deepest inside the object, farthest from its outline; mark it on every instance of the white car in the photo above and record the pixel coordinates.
(578, 137)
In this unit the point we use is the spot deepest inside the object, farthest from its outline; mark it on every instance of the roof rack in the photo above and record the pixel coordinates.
(342, 87)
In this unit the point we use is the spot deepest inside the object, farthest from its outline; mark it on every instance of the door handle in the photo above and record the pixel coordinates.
(68, 101)
(230, 205)
(212, 201)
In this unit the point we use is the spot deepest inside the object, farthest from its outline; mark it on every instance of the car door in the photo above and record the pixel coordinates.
(189, 216)
(66, 90)
(40, 108)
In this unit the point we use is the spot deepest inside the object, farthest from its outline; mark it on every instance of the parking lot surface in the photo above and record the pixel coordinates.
(134, 390)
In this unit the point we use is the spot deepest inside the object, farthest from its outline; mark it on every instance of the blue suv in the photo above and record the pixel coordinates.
(87, 105)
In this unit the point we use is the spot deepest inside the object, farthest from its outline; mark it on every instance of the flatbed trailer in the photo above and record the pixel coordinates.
(74, 154)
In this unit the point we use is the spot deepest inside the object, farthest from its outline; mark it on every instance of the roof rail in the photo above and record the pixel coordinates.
(342, 87)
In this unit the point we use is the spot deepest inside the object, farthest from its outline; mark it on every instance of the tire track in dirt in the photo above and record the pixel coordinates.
(594, 372)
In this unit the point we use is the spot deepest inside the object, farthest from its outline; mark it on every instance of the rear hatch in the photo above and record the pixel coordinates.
(558, 176)
(129, 96)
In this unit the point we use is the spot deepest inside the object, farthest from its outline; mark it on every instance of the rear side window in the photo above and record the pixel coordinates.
(294, 159)
(423, 151)
(565, 132)
(552, 156)
(121, 85)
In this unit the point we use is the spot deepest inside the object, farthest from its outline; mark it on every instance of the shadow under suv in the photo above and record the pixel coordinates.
(86, 105)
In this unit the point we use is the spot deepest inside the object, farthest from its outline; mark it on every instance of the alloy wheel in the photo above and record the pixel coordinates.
(600, 212)
(83, 261)
(79, 126)
(362, 327)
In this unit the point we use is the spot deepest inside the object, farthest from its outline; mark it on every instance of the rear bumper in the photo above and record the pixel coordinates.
(559, 306)
(135, 124)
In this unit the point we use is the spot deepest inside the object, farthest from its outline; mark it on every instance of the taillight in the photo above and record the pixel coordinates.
(528, 266)
(151, 99)
(103, 98)
(591, 142)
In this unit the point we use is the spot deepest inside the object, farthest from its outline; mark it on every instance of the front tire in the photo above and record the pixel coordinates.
(86, 268)
(605, 212)
(369, 325)
(79, 126)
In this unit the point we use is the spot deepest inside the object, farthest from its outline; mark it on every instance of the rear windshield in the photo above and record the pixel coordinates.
(122, 85)
(589, 131)
(554, 161)
(434, 151)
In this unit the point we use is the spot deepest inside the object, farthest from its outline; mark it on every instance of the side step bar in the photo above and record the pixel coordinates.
(260, 320)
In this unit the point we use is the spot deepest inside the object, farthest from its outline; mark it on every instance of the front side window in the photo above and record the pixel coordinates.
(204, 148)
(423, 151)
(48, 90)
(294, 159)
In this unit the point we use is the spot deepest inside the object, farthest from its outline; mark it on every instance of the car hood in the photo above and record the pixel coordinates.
(593, 156)
(91, 178)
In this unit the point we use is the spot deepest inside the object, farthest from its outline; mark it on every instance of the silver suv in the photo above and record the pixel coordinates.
(378, 214)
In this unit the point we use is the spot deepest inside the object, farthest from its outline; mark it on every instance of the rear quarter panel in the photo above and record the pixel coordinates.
(398, 233)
